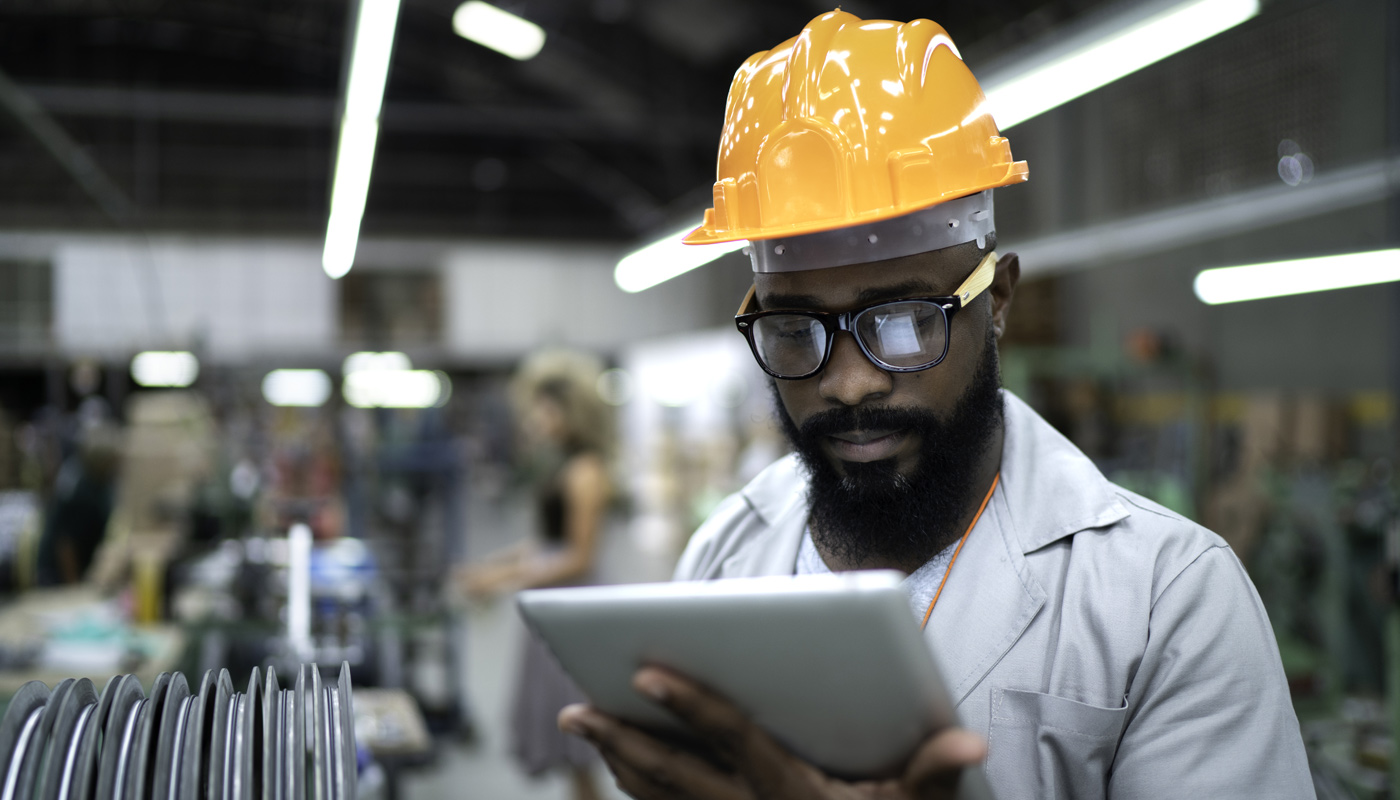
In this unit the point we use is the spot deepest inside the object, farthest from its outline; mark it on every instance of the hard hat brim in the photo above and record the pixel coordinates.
(1016, 172)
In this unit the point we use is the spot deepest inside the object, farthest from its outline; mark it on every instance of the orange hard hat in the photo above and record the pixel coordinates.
(851, 122)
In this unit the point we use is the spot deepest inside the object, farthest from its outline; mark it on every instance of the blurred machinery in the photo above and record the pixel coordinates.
(72, 743)
(415, 526)
(1302, 485)
(299, 586)
(243, 538)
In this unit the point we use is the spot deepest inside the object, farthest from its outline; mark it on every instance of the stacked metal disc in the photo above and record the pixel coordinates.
(214, 743)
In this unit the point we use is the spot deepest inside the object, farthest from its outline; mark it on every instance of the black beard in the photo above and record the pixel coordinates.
(872, 514)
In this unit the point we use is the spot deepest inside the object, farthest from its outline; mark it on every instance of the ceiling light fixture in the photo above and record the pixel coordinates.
(498, 29)
(1098, 55)
(164, 368)
(666, 258)
(408, 388)
(1299, 276)
(359, 130)
(367, 361)
(388, 380)
(303, 388)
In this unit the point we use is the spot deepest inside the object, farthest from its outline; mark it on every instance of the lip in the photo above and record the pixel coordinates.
(862, 446)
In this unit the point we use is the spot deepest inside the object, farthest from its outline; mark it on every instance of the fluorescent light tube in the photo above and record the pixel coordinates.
(359, 129)
(1300, 276)
(369, 61)
(498, 29)
(353, 164)
(1018, 94)
(164, 368)
(305, 388)
(369, 361)
(666, 258)
(387, 380)
(406, 388)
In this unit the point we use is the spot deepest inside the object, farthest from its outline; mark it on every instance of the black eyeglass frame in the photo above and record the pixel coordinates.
(834, 321)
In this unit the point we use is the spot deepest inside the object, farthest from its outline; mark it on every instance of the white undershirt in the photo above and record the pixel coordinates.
(921, 584)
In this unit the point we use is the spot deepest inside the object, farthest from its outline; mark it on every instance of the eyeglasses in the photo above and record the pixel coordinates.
(905, 335)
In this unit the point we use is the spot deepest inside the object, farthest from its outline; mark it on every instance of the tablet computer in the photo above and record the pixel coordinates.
(834, 666)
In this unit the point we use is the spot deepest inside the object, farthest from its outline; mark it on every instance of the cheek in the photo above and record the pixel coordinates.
(969, 337)
(933, 389)
(940, 387)
(800, 399)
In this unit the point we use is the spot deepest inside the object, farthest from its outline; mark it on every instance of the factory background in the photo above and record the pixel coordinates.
(197, 378)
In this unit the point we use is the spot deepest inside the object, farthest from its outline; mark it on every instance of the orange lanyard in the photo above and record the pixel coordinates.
(949, 570)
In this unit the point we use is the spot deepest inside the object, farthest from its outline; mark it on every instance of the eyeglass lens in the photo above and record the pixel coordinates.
(907, 334)
(790, 344)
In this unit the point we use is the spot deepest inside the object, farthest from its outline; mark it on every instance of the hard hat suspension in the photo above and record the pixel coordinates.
(958, 221)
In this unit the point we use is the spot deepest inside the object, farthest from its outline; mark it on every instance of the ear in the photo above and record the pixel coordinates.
(1002, 289)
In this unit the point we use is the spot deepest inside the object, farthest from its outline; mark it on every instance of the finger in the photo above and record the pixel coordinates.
(878, 790)
(646, 767)
(718, 721)
(639, 782)
(575, 718)
(768, 767)
(936, 767)
(634, 783)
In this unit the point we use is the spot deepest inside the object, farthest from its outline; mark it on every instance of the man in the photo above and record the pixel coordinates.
(1096, 644)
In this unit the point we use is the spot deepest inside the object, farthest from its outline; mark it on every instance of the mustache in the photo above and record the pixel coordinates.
(847, 418)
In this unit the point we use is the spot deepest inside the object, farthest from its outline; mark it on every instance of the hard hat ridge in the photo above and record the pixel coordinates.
(851, 122)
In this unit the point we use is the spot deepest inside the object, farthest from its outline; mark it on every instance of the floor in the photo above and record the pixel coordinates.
(483, 768)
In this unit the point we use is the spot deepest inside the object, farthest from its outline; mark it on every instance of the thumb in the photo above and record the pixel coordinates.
(937, 766)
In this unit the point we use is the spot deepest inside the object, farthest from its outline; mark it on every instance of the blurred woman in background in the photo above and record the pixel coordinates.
(567, 432)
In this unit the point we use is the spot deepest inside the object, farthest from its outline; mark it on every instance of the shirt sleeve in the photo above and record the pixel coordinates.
(1210, 713)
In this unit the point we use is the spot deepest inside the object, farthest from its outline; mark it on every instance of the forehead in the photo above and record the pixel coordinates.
(836, 288)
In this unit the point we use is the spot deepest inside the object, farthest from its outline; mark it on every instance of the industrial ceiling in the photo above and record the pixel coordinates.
(219, 115)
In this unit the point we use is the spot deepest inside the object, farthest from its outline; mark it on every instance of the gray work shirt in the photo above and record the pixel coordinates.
(1105, 646)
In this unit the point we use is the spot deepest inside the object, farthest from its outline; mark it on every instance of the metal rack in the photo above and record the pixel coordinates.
(215, 743)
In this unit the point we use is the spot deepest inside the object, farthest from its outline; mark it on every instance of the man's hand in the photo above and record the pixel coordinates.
(742, 761)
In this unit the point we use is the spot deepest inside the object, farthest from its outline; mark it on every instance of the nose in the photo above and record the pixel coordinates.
(850, 378)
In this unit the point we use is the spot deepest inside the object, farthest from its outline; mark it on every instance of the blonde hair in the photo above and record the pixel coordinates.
(569, 379)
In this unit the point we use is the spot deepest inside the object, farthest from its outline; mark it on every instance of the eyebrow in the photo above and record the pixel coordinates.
(910, 288)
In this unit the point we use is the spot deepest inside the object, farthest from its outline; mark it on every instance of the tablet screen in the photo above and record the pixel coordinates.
(834, 666)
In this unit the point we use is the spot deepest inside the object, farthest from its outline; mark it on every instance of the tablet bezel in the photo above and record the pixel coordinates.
(755, 640)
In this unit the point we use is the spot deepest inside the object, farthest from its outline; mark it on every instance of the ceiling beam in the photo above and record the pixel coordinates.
(634, 206)
(1206, 220)
(74, 160)
(312, 111)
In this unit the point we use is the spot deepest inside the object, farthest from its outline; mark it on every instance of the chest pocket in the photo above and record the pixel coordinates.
(1042, 746)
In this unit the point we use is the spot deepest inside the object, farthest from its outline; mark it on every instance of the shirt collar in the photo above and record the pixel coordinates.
(1051, 489)
(778, 490)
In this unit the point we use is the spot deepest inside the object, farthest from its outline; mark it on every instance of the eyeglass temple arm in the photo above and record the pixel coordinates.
(748, 300)
(978, 281)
